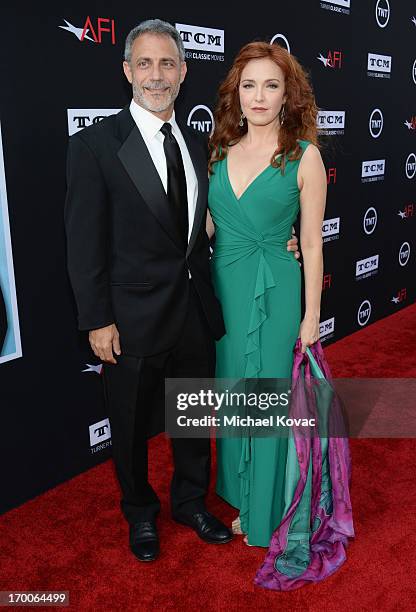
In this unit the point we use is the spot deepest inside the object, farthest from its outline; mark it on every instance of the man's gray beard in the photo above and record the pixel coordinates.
(140, 98)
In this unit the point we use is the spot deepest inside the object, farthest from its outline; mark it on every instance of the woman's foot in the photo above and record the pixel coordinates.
(236, 526)
(245, 540)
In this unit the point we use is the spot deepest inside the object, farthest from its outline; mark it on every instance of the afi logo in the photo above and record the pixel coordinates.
(333, 59)
(331, 176)
(407, 212)
(104, 26)
(99, 432)
(411, 125)
(201, 119)
(400, 297)
(375, 123)
(370, 220)
(326, 281)
(404, 254)
(382, 13)
(410, 166)
(364, 313)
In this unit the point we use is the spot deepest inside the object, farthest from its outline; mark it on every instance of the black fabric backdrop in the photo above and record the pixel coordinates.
(48, 403)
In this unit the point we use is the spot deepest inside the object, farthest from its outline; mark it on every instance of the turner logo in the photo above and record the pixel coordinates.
(333, 59)
(379, 66)
(327, 329)
(370, 220)
(331, 122)
(411, 125)
(382, 13)
(79, 118)
(375, 123)
(281, 40)
(404, 254)
(364, 313)
(100, 432)
(366, 267)
(330, 229)
(337, 6)
(201, 119)
(400, 297)
(199, 40)
(101, 30)
(373, 170)
(410, 166)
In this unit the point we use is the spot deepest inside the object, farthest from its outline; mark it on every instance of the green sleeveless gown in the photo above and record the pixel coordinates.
(259, 286)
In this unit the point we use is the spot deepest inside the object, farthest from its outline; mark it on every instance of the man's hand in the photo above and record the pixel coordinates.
(104, 342)
(292, 245)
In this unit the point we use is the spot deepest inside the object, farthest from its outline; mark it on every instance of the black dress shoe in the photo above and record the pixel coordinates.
(206, 526)
(144, 541)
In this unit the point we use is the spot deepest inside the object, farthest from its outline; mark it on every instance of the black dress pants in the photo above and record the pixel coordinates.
(134, 389)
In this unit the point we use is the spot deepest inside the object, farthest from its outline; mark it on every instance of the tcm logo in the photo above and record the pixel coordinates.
(411, 125)
(103, 29)
(400, 297)
(382, 13)
(366, 267)
(330, 229)
(370, 220)
(336, 6)
(373, 170)
(281, 40)
(364, 313)
(201, 119)
(379, 65)
(331, 122)
(410, 166)
(326, 281)
(326, 328)
(199, 38)
(375, 123)
(408, 211)
(333, 59)
(79, 118)
(331, 176)
(99, 432)
(404, 254)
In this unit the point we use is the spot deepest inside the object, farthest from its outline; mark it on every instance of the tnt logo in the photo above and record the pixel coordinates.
(375, 123)
(382, 13)
(331, 176)
(103, 29)
(364, 313)
(404, 254)
(326, 281)
(333, 59)
(410, 166)
(370, 220)
(400, 297)
(201, 119)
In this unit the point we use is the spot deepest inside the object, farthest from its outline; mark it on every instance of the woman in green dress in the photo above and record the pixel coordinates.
(265, 168)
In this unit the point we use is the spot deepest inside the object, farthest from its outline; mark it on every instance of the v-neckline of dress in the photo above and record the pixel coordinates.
(249, 185)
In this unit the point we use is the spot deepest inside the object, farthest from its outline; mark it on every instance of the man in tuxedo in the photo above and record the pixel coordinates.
(138, 259)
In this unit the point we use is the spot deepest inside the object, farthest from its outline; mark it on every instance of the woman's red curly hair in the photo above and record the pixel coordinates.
(300, 107)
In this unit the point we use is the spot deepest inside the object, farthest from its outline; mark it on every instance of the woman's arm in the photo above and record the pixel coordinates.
(313, 184)
(210, 225)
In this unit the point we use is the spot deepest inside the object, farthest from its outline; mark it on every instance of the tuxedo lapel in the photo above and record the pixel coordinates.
(201, 170)
(139, 165)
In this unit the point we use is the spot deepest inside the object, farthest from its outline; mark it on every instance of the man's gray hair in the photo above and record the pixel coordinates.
(153, 26)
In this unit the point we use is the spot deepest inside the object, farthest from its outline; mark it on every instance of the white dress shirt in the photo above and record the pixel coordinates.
(149, 126)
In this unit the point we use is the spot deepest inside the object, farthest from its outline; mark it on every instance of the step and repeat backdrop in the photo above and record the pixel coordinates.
(63, 71)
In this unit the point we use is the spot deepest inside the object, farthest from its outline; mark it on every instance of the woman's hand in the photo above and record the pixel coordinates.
(309, 331)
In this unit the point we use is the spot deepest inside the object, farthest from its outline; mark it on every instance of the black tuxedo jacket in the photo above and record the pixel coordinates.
(125, 258)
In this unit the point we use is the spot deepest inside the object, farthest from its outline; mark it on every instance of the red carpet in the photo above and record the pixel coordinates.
(74, 537)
